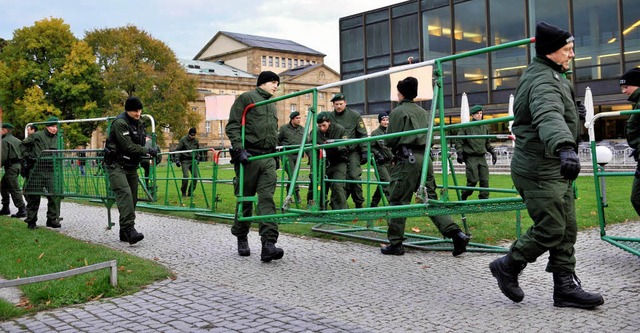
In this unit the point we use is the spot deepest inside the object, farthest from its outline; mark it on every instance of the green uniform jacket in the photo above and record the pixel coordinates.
(33, 145)
(474, 147)
(11, 153)
(379, 146)
(261, 126)
(353, 125)
(289, 135)
(127, 137)
(187, 143)
(335, 131)
(406, 117)
(545, 119)
(632, 131)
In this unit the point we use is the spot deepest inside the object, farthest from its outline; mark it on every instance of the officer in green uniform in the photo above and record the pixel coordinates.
(336, 158)
(40, 176)
(260, 137)
(185, 160)
(472, 152)
(543, 167)
(9, 186)
(383, 156)
(290, 134)
(125, 148)
(357, 155)
(629, 83)
(405, 174)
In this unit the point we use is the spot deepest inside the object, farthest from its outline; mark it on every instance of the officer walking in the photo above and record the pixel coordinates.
(544, 164)
(357, 155)
(472, 153)
(125, 148)
(405, 174)
(383, 156)
(629, 83)
(42, 178)
(185, 160)
(291, 134)
(9, 186)
(261, 135)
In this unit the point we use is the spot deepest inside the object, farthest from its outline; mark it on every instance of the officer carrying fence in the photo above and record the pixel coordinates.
(383, 156)
(291, 134)
(124, 150)
(186, 160)
(9, 186)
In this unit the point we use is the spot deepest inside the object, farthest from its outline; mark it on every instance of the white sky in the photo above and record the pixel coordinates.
(187, 25)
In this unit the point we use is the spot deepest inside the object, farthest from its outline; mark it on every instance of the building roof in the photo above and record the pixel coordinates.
(263, 42)
(212, 68)
(305, 69)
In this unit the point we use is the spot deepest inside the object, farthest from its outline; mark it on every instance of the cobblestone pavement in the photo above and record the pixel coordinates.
(328, 286)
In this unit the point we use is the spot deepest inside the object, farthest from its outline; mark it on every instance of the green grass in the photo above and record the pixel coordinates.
(41, 251)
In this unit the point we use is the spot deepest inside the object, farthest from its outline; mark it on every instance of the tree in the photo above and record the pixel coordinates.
(46, 71)
(133, 63)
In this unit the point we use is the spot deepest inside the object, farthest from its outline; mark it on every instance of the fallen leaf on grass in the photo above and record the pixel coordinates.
(121, 268)
(19, 260)
(41, 255)
(415, 229)
(96, 298)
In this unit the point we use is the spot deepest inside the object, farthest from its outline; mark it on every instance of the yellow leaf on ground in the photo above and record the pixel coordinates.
(415, 229)
(41, 255)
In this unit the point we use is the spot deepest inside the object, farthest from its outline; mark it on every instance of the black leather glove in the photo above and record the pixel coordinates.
(460, 157)
(582, 110)
(494, 158)
(153, 151)
(634, 154)
(240, 156)
(178, 164)
(363, 158)
(380, 159)
(569, 163)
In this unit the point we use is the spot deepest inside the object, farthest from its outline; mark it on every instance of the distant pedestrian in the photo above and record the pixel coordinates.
(188, 161)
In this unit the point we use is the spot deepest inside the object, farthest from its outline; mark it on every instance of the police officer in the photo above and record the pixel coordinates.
(544, 164)
(629, 83)
(383, 156)
(291, 134)
(9, 186)
(41, 178)
(337, 160)
(357, 155)
(472, 153)
(405, 174)
(125, 148)
(185, 160)
(261, 135)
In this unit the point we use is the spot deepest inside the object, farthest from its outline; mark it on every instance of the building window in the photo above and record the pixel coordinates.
(321, 108)
(294, 107)
(194, 108)
(295, 63)
(307, 96)
(321, 95)
(207, 127)
(233, 92)
(264, 60)
(289, 62)
(307, 107)
(221, 92)
(277, 61)
(270, 61)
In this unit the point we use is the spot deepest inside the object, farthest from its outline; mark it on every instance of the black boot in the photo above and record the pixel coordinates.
(567, 292)
(270, 252)
(22, 212)
(131, 235)
(5, 210)
(243, 247)
(53, 223)
(506, 271)
(460, 241)
(394, 249)
(31, 224)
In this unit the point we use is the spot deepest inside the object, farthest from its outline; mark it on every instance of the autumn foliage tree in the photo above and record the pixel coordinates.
(46, 71)
(133, 63)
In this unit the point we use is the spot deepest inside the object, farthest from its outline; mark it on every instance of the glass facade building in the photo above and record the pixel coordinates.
(607, 43)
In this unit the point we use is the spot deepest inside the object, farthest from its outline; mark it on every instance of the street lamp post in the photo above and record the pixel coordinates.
(603, 156)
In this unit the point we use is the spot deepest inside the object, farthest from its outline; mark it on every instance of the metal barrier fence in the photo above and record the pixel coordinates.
(113, 275)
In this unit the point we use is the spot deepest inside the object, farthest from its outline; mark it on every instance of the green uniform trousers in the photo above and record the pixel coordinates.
(10, 186)
(551, 206)
(189, 169)
(477, 170)
(338, 172)
(124, 184)
(383, 176)
(635, 193)
(41, 182)
(354, 172)
(259, 178)
(405, 179)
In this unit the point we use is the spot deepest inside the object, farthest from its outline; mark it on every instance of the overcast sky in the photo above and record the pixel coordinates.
(187, 25)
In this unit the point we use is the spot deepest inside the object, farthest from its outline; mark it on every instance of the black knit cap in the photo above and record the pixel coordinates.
(192, 131)
(382, 115)
(267, 76)
(408, 87)
(631, 78)
(133, 104)
(550, 38)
